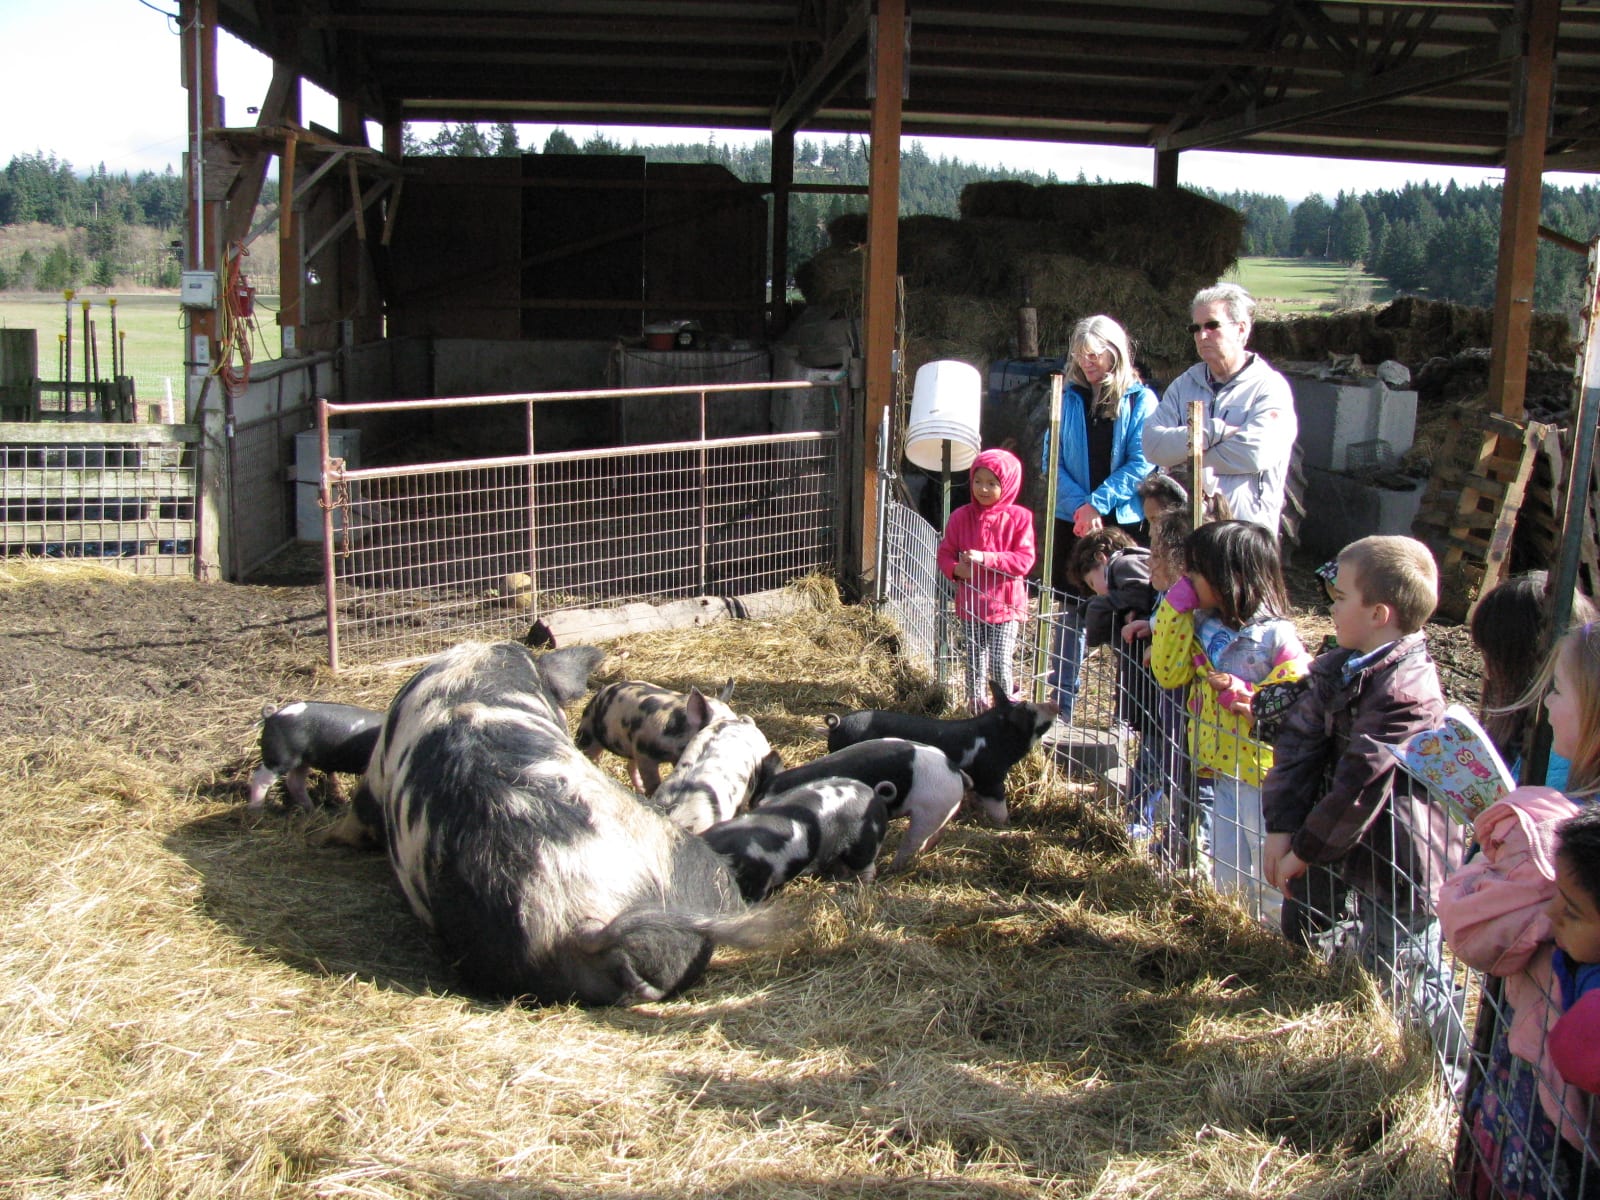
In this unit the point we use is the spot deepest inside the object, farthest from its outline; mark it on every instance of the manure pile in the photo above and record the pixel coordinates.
(1130, 251)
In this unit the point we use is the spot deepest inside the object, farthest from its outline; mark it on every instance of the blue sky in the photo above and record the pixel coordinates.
(109, 91)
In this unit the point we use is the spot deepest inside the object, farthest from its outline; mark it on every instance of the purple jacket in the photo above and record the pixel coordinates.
(1336, 792)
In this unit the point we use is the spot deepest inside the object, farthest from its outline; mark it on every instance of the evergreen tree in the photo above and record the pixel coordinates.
(559, 142)
(1352, 237)
(505, 143)
(1313, 227)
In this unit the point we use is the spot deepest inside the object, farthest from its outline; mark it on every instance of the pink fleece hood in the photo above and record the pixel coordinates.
(1006, 469)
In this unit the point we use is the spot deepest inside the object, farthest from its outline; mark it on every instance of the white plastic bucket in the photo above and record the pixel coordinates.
(945, 403)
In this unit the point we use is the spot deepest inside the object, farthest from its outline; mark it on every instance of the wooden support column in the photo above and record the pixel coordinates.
(204, 216)
(1466, 562)
(291, 261)
(1166, 169)
(204, 397)
(394, 138)
(1530, 100)
(782, 181)
(887, 71)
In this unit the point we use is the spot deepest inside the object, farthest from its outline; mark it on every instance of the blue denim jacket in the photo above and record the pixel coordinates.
(1117, 496)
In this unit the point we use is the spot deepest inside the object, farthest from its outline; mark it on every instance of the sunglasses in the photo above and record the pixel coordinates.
(1211, 325)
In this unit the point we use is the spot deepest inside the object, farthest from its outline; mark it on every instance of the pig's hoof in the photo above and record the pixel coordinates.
(993, 814)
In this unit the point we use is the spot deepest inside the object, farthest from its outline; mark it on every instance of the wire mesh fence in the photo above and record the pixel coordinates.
(82, 491)
(426, 554)
(1126, 743)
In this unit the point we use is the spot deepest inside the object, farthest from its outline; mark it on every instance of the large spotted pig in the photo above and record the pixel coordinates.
(721, 768)
(543, 877)
(312, 735)
(646, 724)
(986, 747)
(928, 788)
(832, 828)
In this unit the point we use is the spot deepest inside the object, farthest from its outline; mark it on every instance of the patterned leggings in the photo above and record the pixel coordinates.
(990, 649)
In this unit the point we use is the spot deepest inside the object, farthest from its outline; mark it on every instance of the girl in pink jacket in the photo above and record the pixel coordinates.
(986, 550)
(1523, 910)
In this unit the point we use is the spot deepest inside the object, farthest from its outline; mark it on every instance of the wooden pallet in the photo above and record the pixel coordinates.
(1475, 494)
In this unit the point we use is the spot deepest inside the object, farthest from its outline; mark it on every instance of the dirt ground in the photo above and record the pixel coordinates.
(178, 672)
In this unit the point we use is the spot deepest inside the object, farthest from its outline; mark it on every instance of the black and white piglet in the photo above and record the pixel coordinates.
(832, 828)
(986, 747)
(723, 765)
(311, 735)
(646, 724)
(928, 788)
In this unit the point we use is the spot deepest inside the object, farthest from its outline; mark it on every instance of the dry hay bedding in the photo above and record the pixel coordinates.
(200, 1005)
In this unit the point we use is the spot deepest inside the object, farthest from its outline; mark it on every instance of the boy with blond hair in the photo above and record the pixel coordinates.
(1341, 820)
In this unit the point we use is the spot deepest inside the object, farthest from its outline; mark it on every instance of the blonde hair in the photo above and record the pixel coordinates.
(1579, 650)
(1095, 334)
(1398, 571)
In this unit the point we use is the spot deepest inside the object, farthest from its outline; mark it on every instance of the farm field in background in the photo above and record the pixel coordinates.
(1287, 287)
(153, 322)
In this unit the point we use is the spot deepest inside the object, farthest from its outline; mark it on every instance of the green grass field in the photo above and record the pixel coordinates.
(1286, 287)
(153, 345)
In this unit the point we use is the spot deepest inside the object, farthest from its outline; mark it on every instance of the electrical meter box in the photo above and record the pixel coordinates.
(198, 289)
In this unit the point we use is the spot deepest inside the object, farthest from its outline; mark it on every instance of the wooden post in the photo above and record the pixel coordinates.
(199, 66)
(782, 181)
(1166, 169)
(1529, 119)
(887, 70)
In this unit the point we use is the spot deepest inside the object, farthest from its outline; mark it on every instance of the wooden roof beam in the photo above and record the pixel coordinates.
(1391, 85)
(843, 55)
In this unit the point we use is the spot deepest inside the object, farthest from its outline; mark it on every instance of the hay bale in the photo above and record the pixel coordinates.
(1164, 232)
(1073, 250)
(833, 277)
(1411, 329)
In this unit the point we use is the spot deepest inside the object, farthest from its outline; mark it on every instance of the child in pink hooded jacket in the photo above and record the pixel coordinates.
(1525, 910)
(986, 551)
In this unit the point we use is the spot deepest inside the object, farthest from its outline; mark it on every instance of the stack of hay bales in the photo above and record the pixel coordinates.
(1133, 252)
(1411, 330)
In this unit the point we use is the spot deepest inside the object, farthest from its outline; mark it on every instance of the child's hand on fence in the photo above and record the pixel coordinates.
(1280, 864)
(1134, 630)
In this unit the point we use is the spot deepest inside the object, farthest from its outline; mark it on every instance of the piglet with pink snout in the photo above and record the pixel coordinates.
(312, 735)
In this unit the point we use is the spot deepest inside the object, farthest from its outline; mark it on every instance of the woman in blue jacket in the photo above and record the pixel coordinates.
(1098, 470)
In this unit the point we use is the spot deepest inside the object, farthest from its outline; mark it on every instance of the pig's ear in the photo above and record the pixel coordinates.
(726, 693)
(1001, 700)
(699, 709)
(566, 671)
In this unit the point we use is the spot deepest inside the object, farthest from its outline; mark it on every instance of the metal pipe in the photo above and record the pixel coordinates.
(88, 393)
(702, 473)
(116, 366)
(1041, 654)
(66, 362)
(881, 570)
(1580, 473)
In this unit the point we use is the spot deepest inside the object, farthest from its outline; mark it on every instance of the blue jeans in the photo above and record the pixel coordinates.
(1237, 834)
(1066, 655)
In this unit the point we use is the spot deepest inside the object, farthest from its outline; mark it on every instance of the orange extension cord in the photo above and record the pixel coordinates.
(236, 322)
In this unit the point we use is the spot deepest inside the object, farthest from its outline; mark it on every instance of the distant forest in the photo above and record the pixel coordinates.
(1439, 241)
